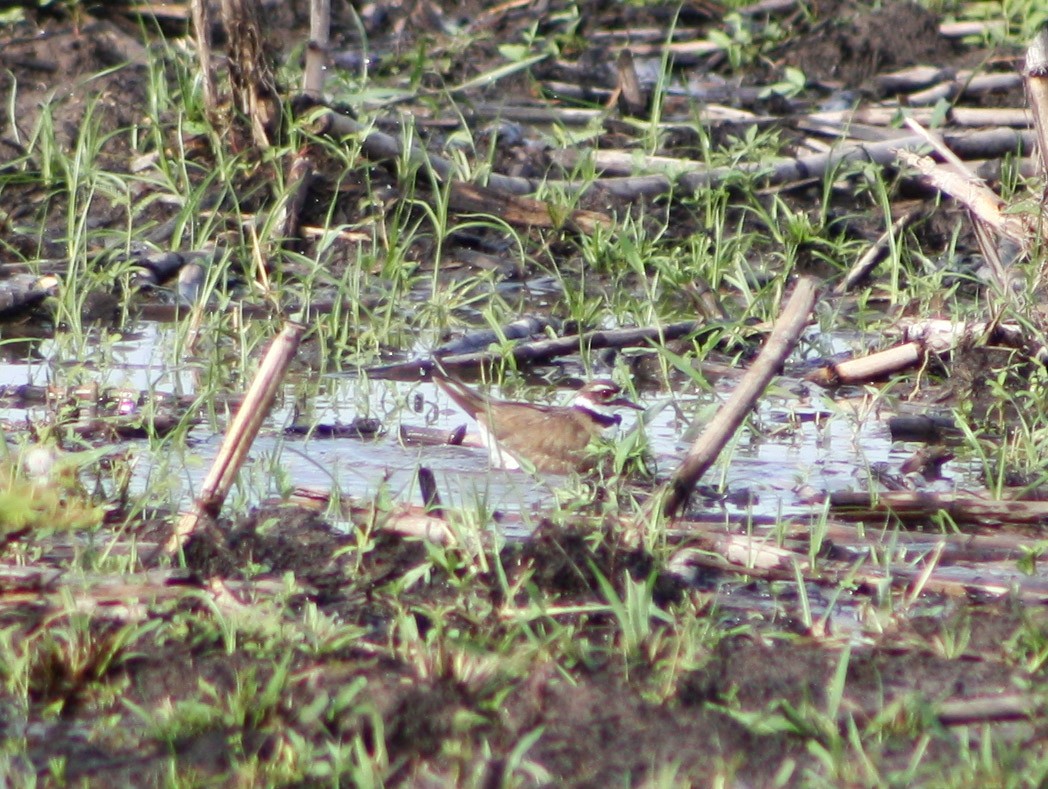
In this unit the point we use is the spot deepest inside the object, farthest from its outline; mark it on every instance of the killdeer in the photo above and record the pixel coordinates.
(552, 439)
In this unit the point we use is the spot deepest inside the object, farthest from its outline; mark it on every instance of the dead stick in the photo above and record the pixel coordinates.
(876, 253)
(708, 446)
(921, 505)
(241, 434)
(870, 368)
(379, 145)
(1037, 90)
(202, 31)
(539, 351)
(317, 50)
(775, 564)
(981, 709)
(299, 180)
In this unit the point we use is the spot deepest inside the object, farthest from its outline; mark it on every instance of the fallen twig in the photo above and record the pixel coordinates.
(923, 338)
(536, 352)
(744, 555)
(885, 116)
(125, 598)
(479, 339)
(985, 709)
(965, 84)
(961, 508)
(871, 367)
(983, 144)
(240, 435)
(984, 206)
(877, 252)
(708, 446)
(500, 190)
(317, 48)
(1036, 73)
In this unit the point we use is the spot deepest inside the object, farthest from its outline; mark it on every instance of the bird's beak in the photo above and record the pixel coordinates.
(624, 402)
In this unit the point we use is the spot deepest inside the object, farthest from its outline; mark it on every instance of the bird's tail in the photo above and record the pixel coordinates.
(467, 399)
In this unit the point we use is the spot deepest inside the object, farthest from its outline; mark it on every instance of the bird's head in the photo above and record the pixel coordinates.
(600, 397)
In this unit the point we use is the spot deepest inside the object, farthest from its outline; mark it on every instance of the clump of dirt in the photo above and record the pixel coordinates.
(753, 672)
(424, 717)
(599, 730)
(851, 43)
(276, 540)
(976, 372)
(566, 560)
(35, 54)
(561, 561)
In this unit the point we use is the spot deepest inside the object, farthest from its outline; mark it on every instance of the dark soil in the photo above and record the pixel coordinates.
(849, 44)
(601, 720)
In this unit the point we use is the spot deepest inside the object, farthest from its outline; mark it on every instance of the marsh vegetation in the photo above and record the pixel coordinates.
(528, 196)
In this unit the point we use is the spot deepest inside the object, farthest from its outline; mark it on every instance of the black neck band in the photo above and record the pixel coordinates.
(604, 420)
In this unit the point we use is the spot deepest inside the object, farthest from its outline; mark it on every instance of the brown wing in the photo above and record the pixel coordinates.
(550, 438)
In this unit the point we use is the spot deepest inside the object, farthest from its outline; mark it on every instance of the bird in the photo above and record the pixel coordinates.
(550, 439)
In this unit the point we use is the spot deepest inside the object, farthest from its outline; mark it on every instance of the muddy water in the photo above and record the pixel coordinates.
(804, 442)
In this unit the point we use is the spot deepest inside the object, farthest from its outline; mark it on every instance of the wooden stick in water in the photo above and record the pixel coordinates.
(718, 432)
(241, 434)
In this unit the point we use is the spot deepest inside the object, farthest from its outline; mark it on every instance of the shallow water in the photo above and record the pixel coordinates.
(805, 442)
